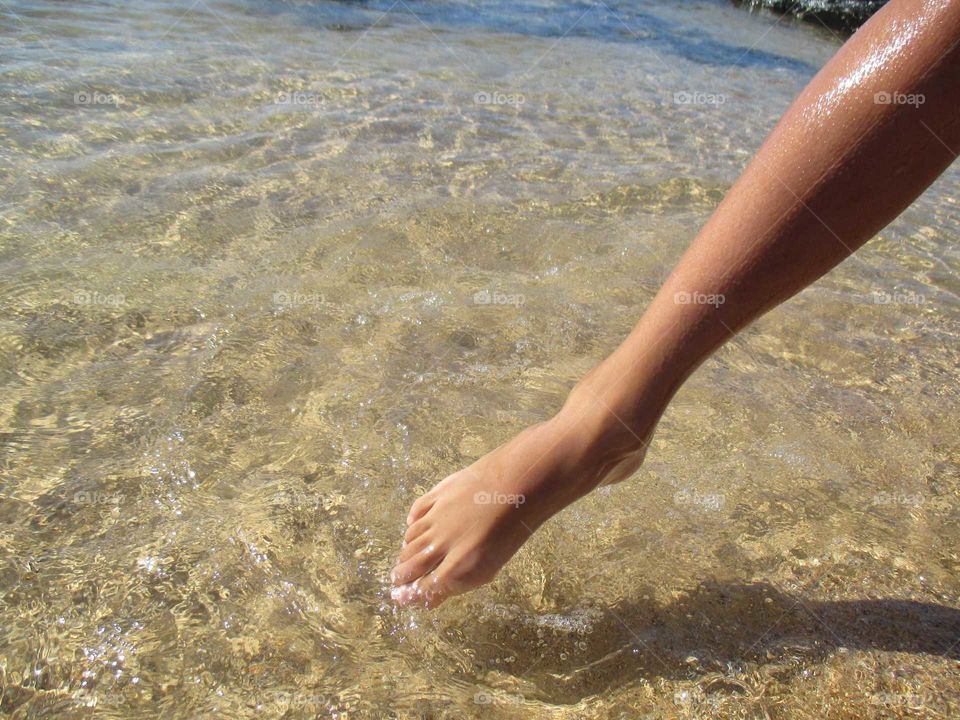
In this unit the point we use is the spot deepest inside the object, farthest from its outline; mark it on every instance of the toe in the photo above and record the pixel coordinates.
(417, 566)
(429, 591)
(410, 549)
(420, 507)
(416, 530)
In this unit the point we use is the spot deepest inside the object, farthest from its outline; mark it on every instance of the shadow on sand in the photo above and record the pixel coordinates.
(708, 631)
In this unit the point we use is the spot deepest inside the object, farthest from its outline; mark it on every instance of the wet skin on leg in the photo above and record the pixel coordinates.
(839, 166)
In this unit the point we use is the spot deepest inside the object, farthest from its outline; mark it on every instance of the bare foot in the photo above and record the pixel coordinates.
(470, 524)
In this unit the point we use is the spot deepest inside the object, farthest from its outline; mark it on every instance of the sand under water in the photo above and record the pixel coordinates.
(269, 270)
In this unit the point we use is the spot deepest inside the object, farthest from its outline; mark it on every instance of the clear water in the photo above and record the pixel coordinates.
(241, 246)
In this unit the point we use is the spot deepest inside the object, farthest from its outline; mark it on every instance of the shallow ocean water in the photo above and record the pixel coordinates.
(270, 270)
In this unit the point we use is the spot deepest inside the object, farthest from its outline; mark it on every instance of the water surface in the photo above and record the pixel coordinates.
(270, 270)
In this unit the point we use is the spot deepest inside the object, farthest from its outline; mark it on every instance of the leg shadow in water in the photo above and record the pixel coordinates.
(715, 628)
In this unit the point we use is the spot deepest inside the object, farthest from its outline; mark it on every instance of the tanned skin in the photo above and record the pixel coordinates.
(839, 166)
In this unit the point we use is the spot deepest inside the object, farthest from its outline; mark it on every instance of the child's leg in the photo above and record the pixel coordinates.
(839, 166)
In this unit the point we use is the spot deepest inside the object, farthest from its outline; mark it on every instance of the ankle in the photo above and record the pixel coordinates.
(597, 438)
(592, 441)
